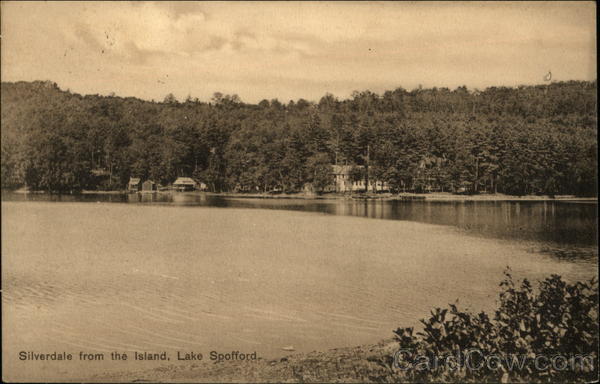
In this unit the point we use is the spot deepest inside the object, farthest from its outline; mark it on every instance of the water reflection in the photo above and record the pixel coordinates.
(567, 230)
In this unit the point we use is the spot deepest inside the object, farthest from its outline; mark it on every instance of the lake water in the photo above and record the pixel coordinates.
(195, 272)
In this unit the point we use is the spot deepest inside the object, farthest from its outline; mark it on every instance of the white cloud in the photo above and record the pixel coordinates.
(291, 50)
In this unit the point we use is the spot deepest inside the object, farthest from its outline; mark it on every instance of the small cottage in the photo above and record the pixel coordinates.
(149, 186)
(184, 184)
(135, 184)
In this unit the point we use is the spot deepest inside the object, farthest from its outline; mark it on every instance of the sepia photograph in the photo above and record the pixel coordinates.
(299, 191)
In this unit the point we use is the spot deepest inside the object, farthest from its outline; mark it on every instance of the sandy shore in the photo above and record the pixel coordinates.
(348, 365)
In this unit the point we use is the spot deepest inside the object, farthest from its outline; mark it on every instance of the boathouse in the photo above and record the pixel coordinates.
(184, 184)
(135, 184)
(149, 186)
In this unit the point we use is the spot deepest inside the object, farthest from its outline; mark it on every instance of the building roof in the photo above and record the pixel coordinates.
(344, 169)
(341, 169)
(100, 172)
(185, 181)
(134, 180)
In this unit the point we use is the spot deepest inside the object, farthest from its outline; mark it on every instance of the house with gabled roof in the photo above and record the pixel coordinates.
(134, 185)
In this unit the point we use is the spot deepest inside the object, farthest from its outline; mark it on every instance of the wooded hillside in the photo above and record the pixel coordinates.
(531, 139)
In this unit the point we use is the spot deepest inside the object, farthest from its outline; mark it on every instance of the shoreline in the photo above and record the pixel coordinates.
(357, 364)
(435, 196)
(410, 196)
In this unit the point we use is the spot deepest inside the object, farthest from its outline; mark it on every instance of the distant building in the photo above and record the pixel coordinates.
(343, 181)
(184, 184)
(134, 185)
(149, 186)
(100, 172)
(341, 176)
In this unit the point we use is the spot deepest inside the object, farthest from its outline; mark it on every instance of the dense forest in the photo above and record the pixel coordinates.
(526, 140)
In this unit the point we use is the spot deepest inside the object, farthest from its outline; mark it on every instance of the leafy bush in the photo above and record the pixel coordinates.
(546, 336)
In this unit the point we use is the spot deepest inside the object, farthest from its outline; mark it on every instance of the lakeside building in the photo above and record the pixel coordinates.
(149, 186)
(343, 180)
(341, 176)
(184, 184)
(134, 185)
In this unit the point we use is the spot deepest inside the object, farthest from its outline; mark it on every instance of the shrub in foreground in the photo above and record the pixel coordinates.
(544, 335)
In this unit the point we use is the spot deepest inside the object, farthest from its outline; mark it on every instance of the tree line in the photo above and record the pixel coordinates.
(525, 140)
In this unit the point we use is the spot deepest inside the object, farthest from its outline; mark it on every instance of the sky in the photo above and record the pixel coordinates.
(291, 50)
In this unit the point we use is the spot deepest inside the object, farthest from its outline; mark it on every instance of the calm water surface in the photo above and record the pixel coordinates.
(194, 272)
(564, 229)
